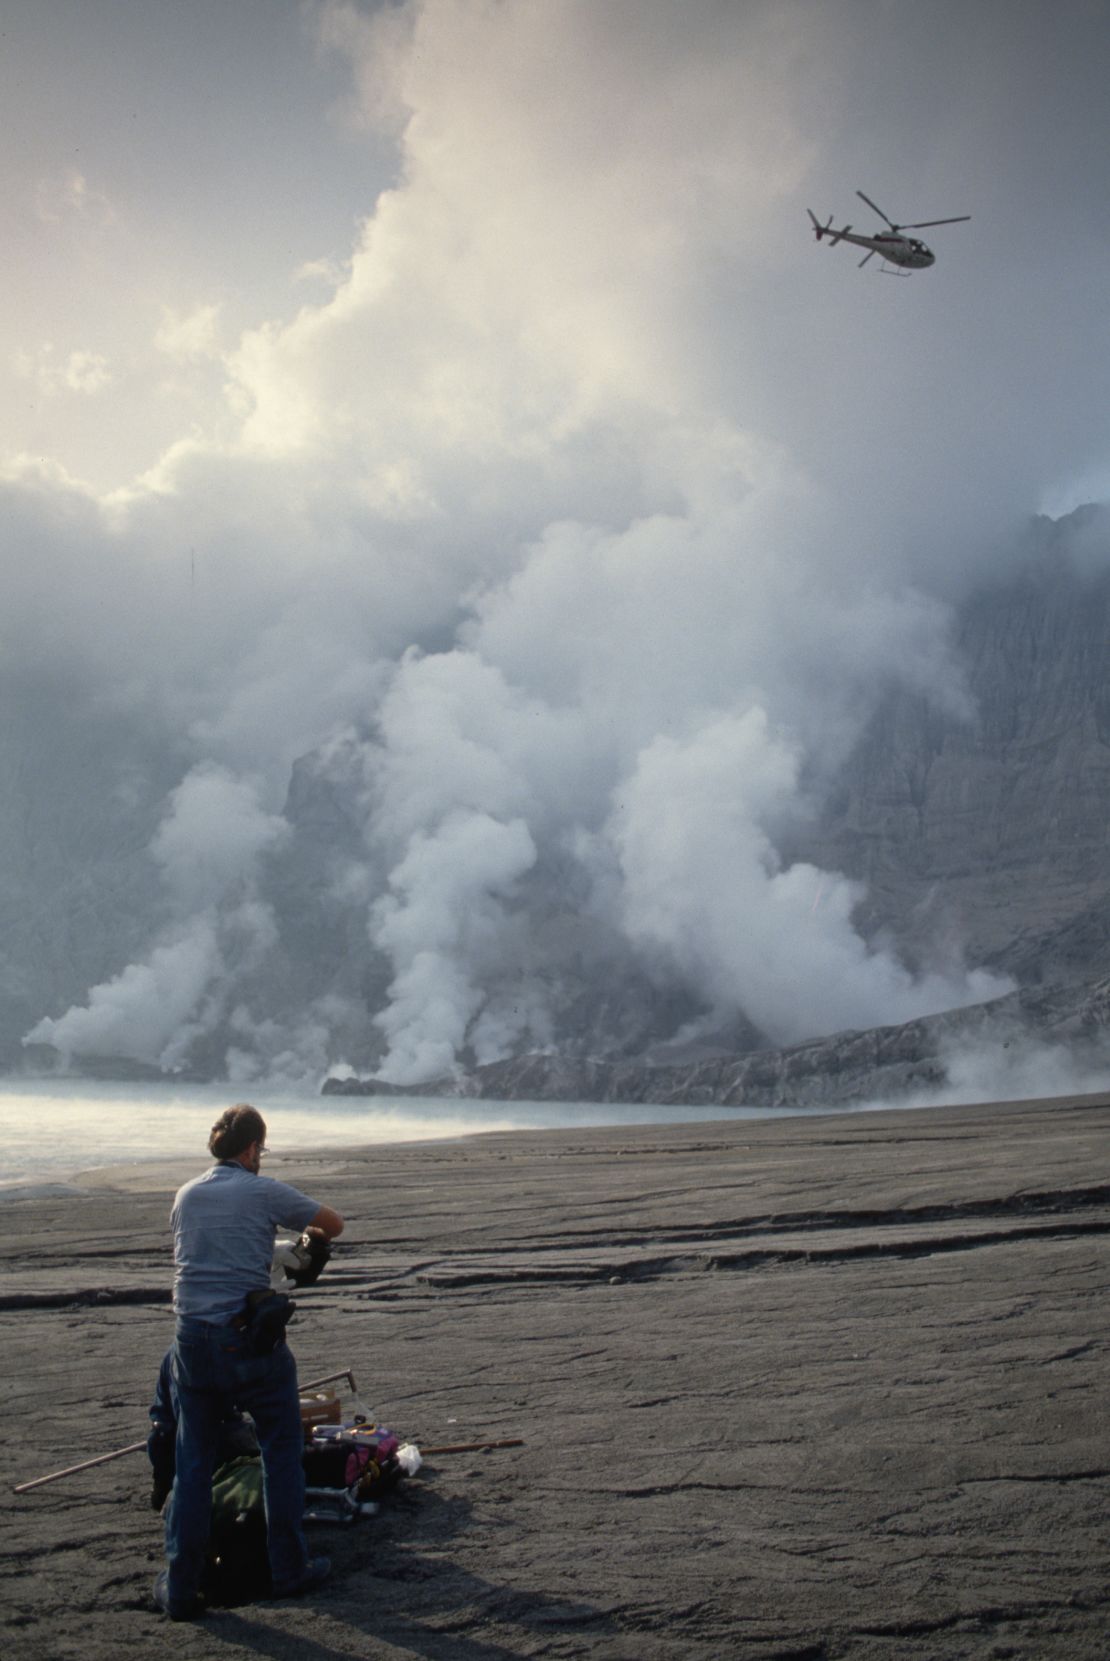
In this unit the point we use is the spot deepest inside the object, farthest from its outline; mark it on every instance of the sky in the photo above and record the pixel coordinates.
(460, 381)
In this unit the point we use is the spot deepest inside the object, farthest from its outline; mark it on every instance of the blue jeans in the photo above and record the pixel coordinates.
(213, 1372)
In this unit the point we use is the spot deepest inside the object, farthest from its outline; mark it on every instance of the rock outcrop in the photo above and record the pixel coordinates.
(993, 832)
(1025, 1038)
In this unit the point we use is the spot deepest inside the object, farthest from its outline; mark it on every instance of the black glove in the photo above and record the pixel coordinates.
(312, 1252)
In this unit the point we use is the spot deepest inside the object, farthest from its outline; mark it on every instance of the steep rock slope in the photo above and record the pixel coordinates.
(1027, 1044)
(993, 833)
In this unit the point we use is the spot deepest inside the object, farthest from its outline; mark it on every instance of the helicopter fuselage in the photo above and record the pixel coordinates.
(908, 251)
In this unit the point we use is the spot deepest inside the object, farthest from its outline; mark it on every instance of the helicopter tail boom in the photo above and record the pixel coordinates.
(826, 229)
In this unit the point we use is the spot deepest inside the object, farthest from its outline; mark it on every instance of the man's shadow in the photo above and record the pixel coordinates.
(383, 1586)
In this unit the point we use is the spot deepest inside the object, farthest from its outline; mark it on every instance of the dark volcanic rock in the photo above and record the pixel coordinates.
(994, 831)
(884, 1063)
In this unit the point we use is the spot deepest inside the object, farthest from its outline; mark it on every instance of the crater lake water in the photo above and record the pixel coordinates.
(53, 1129)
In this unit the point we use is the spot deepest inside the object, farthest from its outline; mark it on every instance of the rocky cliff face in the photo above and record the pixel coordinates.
(81, 794)
(1030, 1044)
(993, 832)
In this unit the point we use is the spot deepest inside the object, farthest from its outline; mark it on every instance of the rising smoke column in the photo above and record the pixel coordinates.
(208, 847)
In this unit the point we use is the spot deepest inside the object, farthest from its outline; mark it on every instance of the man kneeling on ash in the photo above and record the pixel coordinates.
(230, 1352)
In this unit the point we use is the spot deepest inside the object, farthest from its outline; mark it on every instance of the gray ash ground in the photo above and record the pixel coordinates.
(815, 1389)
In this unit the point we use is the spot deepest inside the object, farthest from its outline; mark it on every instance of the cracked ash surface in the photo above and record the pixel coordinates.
(810, 1389)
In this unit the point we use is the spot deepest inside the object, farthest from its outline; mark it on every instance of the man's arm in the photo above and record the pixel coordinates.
(326, 1222)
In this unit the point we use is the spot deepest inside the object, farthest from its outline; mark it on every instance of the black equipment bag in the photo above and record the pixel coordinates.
(265, 1319)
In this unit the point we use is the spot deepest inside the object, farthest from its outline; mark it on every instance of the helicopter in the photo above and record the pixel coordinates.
(908, 252)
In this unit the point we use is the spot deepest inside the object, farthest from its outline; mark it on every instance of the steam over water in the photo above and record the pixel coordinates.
(48, 1135)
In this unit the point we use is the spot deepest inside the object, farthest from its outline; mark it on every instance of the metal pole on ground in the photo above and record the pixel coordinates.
(134, 1447)
(473, 1447)
(85, 1465)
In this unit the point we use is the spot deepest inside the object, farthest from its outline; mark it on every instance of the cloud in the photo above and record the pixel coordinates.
(79, 371)
(186, 336)
(70, 196)
(532, 269)
(320, 271)
(581, 521)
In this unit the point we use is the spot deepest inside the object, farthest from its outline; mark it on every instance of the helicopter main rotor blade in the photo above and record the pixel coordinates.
(923, 223)
(895, 228)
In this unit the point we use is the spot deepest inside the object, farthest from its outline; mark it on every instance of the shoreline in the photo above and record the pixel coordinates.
(75, 1180)
(829, 1386)
(448, 1119)
(297, 1123)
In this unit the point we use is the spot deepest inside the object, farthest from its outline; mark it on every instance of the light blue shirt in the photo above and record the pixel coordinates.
(224, 1224)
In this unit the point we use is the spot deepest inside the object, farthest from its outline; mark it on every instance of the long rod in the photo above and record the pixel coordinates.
(85, 1465)
(315, 1383)
(133, 1447)
(474, 1447)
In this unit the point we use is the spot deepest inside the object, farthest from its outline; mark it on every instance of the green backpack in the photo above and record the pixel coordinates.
(238, 1567)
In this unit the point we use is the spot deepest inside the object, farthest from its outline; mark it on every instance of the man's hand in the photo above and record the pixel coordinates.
(326, 1222)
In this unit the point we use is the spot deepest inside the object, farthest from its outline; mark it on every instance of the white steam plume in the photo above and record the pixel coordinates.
(703, 887)
(208, 847)
(540, 517)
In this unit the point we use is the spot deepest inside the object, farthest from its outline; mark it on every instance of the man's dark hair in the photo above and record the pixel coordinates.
(235, 1129)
